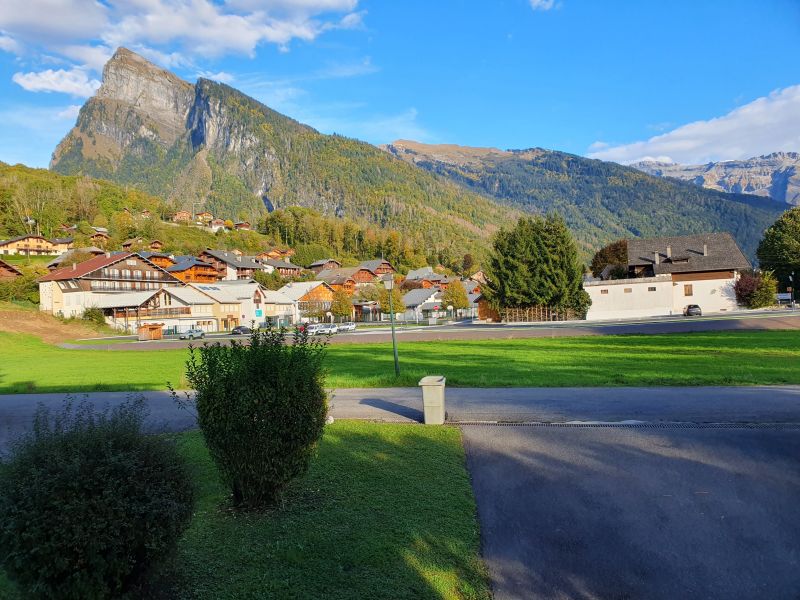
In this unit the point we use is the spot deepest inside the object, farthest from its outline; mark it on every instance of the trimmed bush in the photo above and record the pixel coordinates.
(89, 503)
(261, 407)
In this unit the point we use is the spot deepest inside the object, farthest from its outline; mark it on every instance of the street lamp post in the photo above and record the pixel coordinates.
(388, 282)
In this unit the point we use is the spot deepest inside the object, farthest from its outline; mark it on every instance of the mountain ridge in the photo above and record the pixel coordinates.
(775, 175)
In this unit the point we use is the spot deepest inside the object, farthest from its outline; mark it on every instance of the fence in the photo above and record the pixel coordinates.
(528, 314)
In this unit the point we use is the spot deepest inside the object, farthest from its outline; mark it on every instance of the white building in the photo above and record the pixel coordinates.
(669, 273)
(247, 303)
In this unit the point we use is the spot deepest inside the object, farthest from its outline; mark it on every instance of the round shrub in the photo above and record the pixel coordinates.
(89, 503)
(261, 407)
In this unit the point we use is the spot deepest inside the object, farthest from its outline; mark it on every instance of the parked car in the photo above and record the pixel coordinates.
(347, 327)
(241, 330)
(692, 310)
(193, 334)
(328, 328)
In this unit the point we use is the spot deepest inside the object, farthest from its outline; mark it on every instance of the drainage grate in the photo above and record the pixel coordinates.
(646, 425)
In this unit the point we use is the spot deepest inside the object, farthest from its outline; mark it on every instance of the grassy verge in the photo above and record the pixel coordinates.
(714, 358)
(386, 511)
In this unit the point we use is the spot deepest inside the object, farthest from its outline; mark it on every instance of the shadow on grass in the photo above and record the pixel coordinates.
(386, 511)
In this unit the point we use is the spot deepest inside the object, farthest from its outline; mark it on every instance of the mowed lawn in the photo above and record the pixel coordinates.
(714, 358)
(386, 511)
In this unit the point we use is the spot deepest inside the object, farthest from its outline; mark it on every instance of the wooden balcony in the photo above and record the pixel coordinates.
(147, 313)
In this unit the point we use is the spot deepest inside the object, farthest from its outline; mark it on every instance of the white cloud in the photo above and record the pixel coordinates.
(70, 112)
(9, 44)
(93, 57)
(220, 76)
(74, 82)
(53, 21)
(542, 4)
(768, 124)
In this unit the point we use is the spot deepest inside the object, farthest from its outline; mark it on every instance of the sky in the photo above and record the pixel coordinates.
(682, 81)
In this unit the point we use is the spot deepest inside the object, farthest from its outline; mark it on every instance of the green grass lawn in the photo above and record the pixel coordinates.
(386, 511)
(714, 358)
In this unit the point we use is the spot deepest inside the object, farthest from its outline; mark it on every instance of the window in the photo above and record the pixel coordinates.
(687, 290)
(130, 262)
(628, 290)
(651, 289)
(603, 291)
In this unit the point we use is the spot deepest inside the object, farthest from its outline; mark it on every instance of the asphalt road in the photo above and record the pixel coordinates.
(629, 513)
(783, 319)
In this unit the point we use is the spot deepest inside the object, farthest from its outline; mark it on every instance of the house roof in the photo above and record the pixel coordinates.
(188, 295)
(187, 263)
(470, 285)
(66, 240)
(687, 253)
(421, 273)
(20, 238)
(149, 255)
(418, 297)
(122, 300)
(86, 267)
(229, 258)
(10, 266)
(337, 276)
(374, 264)
(228, 291)
(319, 263)
(297, 289)
(280, 264)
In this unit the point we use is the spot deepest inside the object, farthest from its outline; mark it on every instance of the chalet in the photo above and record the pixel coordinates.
(193, 270)
(68, 257)
(379, 266)
(242, 225)
(175, 309)
(360, 275)
(72, 289)
(159, 258)
(231, 267)
(182, 216)
(422, 303)
(61, 245)
(338, 280)
(133, 244)
(30, 245)
(156, 246)
(216, 225)
(486, 312)
(100, 238)
(666, 274)
(426, 278)
(312, 297)
(324, 265)
(245, 303)
(237, 252)
(145, 214)
(478, 276)
(204, 217)
(284, 268)
(8, 271)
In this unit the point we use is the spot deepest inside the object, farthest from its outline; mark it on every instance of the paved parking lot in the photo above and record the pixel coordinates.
(628, 513)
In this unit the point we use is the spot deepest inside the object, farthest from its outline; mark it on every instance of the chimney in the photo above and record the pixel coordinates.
(74, 266)
(108, 254)
(656, 257)
(669, 251)
(705, 249)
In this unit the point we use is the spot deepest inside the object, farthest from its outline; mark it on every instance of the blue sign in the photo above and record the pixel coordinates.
(259, 312)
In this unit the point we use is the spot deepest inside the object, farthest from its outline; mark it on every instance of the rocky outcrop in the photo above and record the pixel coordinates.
(775, 175)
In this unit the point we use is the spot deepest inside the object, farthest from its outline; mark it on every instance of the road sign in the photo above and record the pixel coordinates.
(787, 296)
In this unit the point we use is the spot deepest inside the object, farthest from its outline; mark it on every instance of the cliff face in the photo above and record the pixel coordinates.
(210, 144)
(775, 175)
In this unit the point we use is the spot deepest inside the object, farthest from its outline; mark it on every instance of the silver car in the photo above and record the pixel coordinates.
(347, 327)
(193, 334)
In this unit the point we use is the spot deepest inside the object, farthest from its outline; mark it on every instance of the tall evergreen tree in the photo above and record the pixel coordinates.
(779, 250)
(536, 264)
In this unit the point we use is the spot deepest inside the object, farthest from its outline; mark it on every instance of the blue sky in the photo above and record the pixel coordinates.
(686, 81)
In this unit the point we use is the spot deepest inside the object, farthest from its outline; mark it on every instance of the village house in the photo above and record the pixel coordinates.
(247, 303)
(159, 258)
(338, 280)
(33, 245)
(193, 270)
(182, 216)
(282, 267)
(156, 246)
(216, 225)
(8, 271)
(277, 254)
(360, 275)
(173, 309)
(204, 217)
(422, 303)
(100, 238)
(70, 290)
(145, 214)
(231, 267)
(313, 298)
(379, 267)
(425, 278)
(668, 273)
(325, 264)
(242, 226)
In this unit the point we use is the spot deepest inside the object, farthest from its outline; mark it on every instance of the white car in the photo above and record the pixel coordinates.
(347, 327)
(193, 334)
(327, 329)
